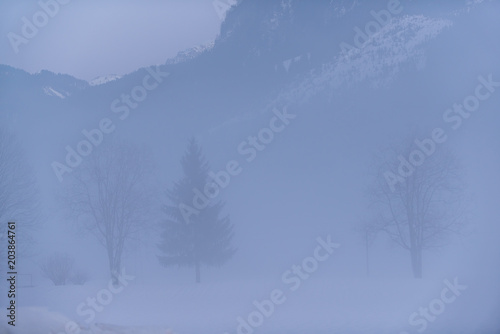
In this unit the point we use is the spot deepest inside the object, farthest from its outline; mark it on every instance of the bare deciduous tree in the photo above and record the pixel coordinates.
(418, 203)
(110, 196)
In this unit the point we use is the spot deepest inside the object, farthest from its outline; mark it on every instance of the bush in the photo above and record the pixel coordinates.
(79, 278)
(58, 268)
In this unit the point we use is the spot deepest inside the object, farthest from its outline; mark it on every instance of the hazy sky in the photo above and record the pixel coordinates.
(92, 38)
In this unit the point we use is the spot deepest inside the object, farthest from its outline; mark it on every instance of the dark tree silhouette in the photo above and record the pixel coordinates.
(194, 233)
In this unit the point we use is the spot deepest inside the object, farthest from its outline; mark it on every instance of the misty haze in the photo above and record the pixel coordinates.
(249, 167)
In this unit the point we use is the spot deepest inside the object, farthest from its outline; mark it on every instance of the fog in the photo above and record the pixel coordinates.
(250, 167)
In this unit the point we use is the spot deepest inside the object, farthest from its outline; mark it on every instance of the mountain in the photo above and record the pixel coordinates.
(15, 82)
(343, 66)
(190, 53)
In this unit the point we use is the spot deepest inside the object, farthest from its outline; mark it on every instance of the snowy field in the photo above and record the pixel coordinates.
(319, 305)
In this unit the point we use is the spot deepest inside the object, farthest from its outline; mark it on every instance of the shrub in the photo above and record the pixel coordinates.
(79, 277)
(58, 268)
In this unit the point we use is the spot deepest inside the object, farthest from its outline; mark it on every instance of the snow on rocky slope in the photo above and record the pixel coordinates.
(103, 79)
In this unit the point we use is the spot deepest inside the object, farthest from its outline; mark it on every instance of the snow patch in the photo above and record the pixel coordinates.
(341, 8)
(104, 79)
(379, 60)
(52, 92)
(38, 320)
(34, 320)
(190, 53)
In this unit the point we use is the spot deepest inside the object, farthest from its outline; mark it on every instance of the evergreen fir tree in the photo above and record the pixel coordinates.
(191, 236)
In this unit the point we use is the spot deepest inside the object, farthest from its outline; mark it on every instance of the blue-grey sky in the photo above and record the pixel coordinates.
(93, 38)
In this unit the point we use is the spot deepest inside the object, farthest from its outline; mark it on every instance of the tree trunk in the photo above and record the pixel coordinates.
(198, 274)
(367, 245)
(114, 278)
(114, 266)
(416, 262)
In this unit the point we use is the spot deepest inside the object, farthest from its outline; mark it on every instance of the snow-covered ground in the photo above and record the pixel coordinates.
(319, 305)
